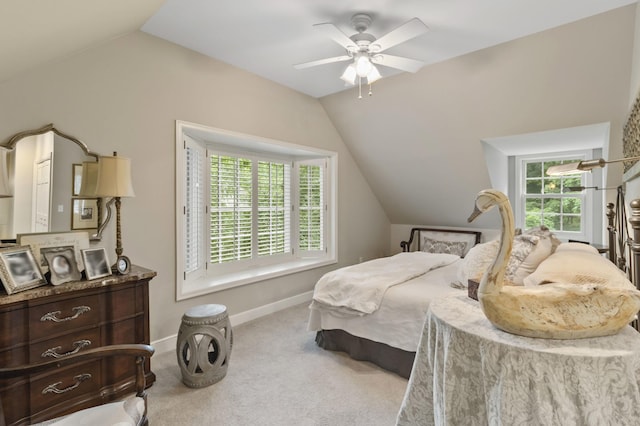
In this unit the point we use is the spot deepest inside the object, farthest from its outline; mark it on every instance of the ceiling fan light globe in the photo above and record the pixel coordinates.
(363, 66)
(374, 75)
(349, 75)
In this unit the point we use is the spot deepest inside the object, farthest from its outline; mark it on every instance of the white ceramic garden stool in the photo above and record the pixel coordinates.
(204, 345)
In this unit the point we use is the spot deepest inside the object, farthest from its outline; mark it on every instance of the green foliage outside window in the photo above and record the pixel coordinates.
(272, 229)
(231, 192)
(311, 205)
(550, 200)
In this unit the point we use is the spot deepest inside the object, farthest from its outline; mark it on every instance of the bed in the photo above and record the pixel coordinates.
(389, 335)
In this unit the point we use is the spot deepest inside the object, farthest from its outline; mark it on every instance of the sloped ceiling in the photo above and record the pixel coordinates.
(268, 38)
(417, 139)
(35, 32)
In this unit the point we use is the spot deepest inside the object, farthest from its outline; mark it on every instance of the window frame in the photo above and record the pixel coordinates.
(586, 195)
(211, 278)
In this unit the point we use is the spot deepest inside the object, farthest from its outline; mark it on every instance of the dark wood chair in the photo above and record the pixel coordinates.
(133, 408)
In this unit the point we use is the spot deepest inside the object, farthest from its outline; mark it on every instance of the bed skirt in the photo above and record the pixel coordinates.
(392, 359)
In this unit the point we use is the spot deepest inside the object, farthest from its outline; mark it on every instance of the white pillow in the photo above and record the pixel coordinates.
(476, 262)
(580, 266)
(527, 253)
(523, 246)
(540, 252)
(577, 247)
(544, 232)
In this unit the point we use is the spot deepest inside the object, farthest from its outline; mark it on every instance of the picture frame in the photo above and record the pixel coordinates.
(19, 270)
(37, 241)
(96, 263)
(76, 176)
(84, 213)
(62, 263)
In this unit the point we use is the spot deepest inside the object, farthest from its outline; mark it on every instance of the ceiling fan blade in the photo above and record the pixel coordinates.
(336, 35)
(404, 32)
(322, 62)
(398, 62)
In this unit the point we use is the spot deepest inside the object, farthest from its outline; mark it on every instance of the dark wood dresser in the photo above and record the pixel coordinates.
(54, 321)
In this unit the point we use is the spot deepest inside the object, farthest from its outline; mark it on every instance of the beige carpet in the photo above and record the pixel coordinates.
(278, 376)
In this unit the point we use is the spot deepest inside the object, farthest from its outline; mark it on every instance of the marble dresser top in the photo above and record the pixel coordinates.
(137, 273)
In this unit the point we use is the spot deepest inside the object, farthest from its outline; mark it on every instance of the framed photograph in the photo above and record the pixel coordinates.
(62, 264)
(19, 270)
(96, 263)
(84, 213)
(76, 175)
(79, 240)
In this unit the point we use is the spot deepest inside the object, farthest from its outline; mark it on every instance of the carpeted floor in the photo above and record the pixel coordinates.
(278, 376)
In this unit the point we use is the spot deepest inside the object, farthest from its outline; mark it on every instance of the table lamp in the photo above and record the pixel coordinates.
(114, 180)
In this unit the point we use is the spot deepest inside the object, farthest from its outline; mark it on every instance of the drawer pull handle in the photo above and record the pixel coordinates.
(53, 388)
(53, 352)
(53, 316)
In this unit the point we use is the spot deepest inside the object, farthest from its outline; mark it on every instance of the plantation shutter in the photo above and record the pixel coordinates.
(194, 206)
(311, 206)
(274, 207)
(231, 208)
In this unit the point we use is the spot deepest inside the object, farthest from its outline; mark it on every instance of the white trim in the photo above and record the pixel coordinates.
(168, 344)
(211, 279)
(587, 197)
(213, 283)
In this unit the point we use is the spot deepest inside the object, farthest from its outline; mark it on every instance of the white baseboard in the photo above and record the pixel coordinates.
(168, 343)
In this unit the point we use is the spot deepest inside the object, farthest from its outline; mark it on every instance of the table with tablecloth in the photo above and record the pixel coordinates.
(467, 372)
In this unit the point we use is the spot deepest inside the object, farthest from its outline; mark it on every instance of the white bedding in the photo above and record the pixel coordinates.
(359, 289)
(398, 321)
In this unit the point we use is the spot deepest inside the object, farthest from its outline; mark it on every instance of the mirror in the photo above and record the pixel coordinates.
(40, 185)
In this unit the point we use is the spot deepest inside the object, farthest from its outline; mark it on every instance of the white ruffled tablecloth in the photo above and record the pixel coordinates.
(467, 372)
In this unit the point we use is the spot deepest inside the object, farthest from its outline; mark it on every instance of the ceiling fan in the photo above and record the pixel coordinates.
(365, 50)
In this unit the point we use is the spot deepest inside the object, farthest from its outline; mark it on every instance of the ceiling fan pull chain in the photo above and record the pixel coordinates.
(370, 91)
(359, 87)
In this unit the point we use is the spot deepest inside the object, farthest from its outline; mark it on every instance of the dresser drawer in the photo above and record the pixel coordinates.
(65, 345)
(13, 327)
(15, 402)
(54, 318)
(65, 385)
(57, 320)
(121, 304)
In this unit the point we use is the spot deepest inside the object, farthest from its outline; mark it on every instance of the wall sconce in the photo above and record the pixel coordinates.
(583, 166)
(582, 188)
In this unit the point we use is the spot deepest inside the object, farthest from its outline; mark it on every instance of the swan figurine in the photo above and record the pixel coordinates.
(553, 311)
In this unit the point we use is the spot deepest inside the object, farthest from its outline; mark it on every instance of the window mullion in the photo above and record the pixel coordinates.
(255, 207)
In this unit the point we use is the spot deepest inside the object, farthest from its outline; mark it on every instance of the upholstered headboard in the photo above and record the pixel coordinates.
(441, 240)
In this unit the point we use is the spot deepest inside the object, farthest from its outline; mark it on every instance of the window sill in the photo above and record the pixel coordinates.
(210, 284)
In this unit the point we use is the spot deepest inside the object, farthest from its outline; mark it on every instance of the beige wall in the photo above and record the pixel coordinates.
(632, 186)
(635, 67)
(126, 95)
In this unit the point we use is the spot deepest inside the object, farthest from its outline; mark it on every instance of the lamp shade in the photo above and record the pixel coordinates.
(89, 179)
(114, 177)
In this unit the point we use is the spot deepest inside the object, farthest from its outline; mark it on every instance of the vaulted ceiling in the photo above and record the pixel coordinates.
(268, 38)
(493, 68)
